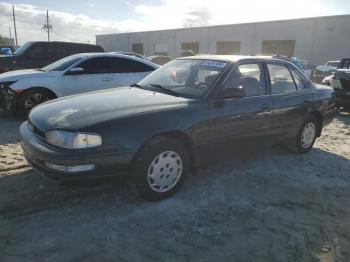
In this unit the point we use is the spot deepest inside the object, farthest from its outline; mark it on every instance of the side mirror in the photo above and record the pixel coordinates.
(232, 92)
(76, 71)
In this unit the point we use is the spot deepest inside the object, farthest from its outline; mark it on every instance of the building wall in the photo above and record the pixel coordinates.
(316, 39)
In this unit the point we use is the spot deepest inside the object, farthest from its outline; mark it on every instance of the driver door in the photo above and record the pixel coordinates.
(245, 116)
(98, 73)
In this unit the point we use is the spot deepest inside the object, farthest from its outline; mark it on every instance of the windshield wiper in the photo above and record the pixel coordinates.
(39, 69)
(136, 85)
(169, 91)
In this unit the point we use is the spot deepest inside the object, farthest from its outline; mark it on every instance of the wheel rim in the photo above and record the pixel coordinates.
(34, 100)
(165, 171)
(308, 135)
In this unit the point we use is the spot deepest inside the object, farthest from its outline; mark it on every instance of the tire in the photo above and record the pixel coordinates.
(159, 169)
(306, 137)
(32, 98)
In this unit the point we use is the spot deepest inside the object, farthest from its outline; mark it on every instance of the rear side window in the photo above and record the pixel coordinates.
(98, 65)
(130, 66)
(280, 79)
(298, 80)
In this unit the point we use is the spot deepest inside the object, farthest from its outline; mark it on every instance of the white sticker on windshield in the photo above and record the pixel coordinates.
(218, 64)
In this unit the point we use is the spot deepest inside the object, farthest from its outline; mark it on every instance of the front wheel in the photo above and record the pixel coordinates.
(159, 169)
(32, 98)
(306, 136)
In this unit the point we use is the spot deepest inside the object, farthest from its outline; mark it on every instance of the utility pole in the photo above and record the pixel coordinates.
(10, 36)
(47, 26)
(14, 24)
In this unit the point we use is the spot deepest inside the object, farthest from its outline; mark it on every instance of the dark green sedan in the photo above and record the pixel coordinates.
(153, 132)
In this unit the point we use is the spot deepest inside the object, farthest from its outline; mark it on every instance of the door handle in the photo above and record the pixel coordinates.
(306, 101)
(265, 108)
(107, 79)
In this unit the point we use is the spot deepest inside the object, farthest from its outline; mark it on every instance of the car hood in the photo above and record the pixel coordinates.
(25, 73)
(81, 111)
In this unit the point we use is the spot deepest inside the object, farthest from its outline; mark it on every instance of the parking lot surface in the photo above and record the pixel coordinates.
(248, 205)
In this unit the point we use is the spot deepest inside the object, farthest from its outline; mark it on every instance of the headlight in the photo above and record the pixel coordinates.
(72, 140)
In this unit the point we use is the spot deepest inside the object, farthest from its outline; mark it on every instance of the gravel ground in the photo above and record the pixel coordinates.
(256, 205)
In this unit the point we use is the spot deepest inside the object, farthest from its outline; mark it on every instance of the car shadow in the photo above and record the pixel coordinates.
(279, 203)
(26, 192)
(343, 117)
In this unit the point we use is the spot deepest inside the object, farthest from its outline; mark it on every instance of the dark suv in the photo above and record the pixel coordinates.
(40, 54)
(340, 81)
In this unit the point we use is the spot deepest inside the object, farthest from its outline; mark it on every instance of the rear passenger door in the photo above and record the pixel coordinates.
(99, 73)
(291, 98)
(246, 116)
(129, 71)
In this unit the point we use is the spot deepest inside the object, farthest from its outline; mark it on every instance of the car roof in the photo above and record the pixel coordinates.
(114, 54)
(233, 58)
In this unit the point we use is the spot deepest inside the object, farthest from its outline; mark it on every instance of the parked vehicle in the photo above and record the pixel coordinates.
(340, 81)
(323, 71)
(40, 54)
(22, 90)
(160, 59)
(5, 51)
(155, 131)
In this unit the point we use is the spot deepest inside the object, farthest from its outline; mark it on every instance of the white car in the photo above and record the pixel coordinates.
(21, 90)
(328, 67)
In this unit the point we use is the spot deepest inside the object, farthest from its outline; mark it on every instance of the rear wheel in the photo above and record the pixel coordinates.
(159, 169)
(306, 136)
(32, 98)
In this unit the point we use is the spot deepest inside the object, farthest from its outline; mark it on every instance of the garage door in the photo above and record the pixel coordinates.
(278, 47)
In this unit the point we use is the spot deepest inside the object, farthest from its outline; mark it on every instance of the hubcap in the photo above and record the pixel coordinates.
(308, 135)
(165, 171)
(34, 100)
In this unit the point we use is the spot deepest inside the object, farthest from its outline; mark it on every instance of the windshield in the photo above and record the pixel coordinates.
(63, 63)
(190, 78)
(334, 64)
(22, 48)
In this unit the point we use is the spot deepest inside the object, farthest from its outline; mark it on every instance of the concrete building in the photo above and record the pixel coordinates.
(316, 39)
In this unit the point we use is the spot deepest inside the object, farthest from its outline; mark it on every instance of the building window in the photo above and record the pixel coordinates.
(161, 49)
(193, 46)
(278, 47)
(228, 47)
(137, 48)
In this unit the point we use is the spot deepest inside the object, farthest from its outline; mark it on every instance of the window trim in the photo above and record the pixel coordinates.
(292, 67)
(261, 67)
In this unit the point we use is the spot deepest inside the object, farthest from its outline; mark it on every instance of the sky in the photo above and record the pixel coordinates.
(81, 20)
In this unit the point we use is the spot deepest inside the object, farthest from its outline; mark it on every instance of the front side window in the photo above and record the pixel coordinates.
(63, 63)
(248, 76)
(37, 51)
(98, 65)
(280, 79)
(190, 78)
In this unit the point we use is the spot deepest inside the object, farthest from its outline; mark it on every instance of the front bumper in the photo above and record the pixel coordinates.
(342, 97)
(37, 152)
(7, 98)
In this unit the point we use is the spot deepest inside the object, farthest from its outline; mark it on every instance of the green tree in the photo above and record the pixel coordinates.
(4, 40)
